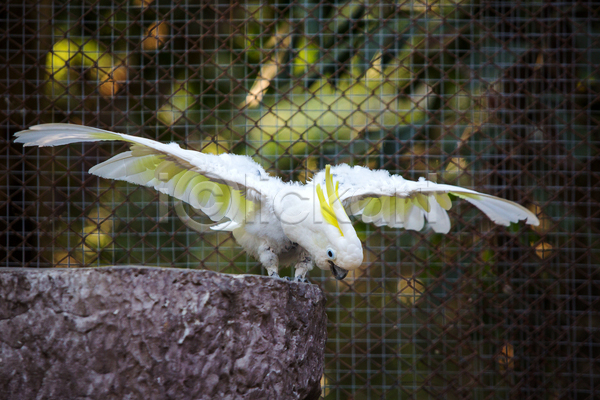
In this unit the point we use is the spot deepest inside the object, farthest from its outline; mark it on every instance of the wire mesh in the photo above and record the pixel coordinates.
(498, 96)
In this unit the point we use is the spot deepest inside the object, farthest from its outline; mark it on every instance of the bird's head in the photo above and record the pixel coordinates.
(321, 226)
(335, 245)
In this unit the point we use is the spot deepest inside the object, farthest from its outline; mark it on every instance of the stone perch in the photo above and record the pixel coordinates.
(156, 333)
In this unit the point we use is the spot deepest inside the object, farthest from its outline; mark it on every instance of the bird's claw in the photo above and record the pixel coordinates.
(297, 279)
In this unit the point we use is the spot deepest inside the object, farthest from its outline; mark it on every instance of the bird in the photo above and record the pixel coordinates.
(281, 223)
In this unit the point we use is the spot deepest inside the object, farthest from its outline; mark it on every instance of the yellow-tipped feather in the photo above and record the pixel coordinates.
(422, 201)
(333, 196)
(329, 185)
(327, 210)
(444, 200)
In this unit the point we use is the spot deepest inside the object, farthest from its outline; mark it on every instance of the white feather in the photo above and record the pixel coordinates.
(438, 217)
(237, 192)
(359, 183)
(166, 167)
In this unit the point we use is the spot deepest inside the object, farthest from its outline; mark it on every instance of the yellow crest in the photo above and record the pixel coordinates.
(332, 195)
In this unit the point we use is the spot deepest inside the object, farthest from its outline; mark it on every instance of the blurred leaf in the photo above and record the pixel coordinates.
(256, 18)
(410, 290)
(307, 56)
(216, 145)
(156, 35)
(71, 57)
(543, 250)
(506, 358)
(98, 229)
(182, 102)
(311, 117)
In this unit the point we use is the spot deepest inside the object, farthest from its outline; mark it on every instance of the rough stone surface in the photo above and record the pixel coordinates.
(154, 333)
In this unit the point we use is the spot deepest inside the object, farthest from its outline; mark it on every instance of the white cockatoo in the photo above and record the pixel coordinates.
(281, 223)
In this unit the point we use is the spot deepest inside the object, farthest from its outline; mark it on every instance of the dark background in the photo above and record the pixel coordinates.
(498, 96)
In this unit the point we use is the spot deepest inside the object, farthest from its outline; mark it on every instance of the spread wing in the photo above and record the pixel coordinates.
(384, 199)
(223, 186)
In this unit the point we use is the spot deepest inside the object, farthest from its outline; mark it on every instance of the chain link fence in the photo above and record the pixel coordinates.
(499, 96)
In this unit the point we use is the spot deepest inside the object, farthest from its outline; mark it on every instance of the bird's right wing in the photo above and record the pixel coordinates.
(226, 186)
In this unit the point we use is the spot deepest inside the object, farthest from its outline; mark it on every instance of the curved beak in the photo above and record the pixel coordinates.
(337, 272)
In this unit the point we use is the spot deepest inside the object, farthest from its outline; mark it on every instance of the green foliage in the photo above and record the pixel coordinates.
(413, 87)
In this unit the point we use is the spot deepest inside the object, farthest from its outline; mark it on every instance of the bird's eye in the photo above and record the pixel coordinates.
(331, 254)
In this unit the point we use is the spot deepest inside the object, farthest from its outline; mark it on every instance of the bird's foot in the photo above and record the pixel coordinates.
(274, 275)
(298, 279)
(302, 268)
(301, 279)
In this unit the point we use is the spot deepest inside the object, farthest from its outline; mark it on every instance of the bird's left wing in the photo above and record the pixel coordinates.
(222, 186)
(384, 199)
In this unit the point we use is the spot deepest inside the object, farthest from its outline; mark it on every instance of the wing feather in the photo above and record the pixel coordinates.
(384, 199)
(224, 186)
